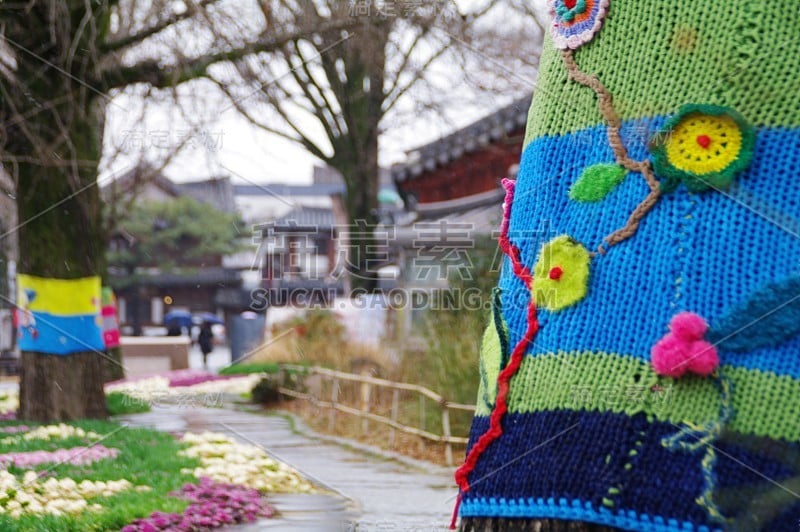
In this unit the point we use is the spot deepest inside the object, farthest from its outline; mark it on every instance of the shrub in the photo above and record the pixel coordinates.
(266, 392)
(316, 338)
(449, 364)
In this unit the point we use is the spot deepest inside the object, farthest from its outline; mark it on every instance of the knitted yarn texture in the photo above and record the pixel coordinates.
(641, 369)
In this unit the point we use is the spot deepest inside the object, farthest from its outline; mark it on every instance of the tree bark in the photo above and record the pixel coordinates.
(364, 246)
(61, 388)
(55, 142)
(61, 238)
(113, 369)
(356, 151)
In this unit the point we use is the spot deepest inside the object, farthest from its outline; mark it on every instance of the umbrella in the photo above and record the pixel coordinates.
(179, 318)
(207, 317)
(388, 195)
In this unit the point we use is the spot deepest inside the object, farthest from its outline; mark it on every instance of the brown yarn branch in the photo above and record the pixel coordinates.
(605, 104)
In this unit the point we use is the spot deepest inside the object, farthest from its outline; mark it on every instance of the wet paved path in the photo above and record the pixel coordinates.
(370, 493)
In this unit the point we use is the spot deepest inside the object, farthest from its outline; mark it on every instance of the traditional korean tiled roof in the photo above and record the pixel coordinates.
(471, 138)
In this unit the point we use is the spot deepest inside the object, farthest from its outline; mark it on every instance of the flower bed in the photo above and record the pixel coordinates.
(183, 384)
(51, 432)
(223, 459)
(14, 429)
(129, 396)
(32, 496)
(72, 482)
(60, 477)
(9, 403)
(213, 505)
(73, 455)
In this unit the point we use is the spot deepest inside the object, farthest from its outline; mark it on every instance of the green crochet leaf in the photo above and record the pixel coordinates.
(494, 351)
(596, 182)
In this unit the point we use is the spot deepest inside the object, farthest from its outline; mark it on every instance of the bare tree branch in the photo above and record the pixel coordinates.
(154, 73)
(192, 9)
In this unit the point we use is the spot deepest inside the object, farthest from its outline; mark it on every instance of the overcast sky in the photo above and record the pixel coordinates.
(229, 145)
(221, 142)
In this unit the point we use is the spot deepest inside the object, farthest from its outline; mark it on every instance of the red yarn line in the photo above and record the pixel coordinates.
(454, 519)
(495, 429)
(520, 270)
(501, 406)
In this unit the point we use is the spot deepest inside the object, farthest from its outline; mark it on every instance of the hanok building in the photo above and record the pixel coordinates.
(304, 230)
(453, 188)
(298, 257)
(145, 296)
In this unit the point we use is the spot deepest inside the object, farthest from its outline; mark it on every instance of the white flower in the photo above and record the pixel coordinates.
(51, 432)
(225, 460)
(32, 496)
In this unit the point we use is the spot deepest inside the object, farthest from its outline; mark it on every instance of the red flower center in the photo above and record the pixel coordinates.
(555, 273)
(569, 4)
(704, 141)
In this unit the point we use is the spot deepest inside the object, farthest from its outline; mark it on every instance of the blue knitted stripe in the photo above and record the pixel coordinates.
(650, 278)
(576, 510)
(546, 461)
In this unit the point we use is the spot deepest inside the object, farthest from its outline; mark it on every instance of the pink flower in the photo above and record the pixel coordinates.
(74, 456)
(213, 505)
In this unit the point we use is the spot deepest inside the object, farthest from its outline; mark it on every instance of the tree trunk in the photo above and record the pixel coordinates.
(61, 236)
(113, 369)
(366, 248)
(54, 140)
(61, 388)
(356, 158)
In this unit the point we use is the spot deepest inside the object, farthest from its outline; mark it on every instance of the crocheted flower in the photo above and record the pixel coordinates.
(705, 146)
(576, 21)
(561, 275)
(684, 349)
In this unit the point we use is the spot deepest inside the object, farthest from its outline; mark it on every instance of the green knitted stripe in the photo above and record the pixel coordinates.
(764, 404)
(653, 65)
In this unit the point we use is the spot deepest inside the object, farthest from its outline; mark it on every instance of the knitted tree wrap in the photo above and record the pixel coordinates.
(664, 151)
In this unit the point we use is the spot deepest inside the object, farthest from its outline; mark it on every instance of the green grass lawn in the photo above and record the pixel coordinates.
(147, 457)
(120, 404)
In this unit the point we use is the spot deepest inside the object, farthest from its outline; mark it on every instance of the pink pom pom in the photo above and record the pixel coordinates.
(684, 349)
(688, 326)
(703, 358)
(669, 356)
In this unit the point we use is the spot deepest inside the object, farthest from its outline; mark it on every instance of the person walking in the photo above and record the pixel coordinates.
(206, 341)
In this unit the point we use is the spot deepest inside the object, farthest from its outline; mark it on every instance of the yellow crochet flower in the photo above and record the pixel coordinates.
(704, 146)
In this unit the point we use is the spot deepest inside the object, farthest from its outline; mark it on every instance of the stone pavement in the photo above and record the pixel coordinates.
(366, 492)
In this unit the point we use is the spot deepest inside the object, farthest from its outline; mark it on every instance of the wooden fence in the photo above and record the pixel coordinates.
(366, 384)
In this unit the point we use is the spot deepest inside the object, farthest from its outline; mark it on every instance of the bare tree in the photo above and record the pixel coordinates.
(346, 64)
(334, 91)
(59, 60)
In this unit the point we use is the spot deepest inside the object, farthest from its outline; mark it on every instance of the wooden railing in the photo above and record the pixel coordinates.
(366, 384)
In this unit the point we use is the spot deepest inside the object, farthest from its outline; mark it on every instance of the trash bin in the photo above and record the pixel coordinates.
(245, 333)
